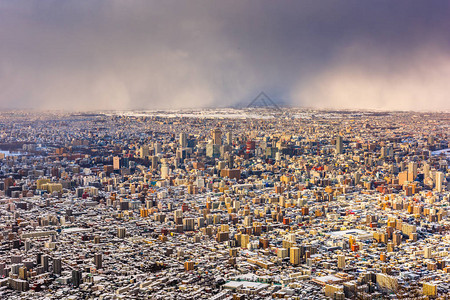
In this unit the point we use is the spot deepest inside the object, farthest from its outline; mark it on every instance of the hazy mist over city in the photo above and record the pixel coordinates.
(89, 55)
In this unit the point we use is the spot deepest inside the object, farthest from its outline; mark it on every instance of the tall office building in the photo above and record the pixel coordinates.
(339, 145)
(57, 266)
(188, 224)
(188, 265)
(397, 238)
(144, 151)
(412, 171)
(357, 177)
(294, 255)
(158, 148)
(154, 162)
(27, 245)
(44, 262)
(201, 222)
(38, 258)
(165, 171)
(229, 138)
(76, 278)
(116, 162)
(427, 252)
(23, 274)
(183, 140)
(439, 181)
(177, 214)
(341, 262)
(386, 151)
(121, 232)
(426, 170)
(98, 261)
(217, 136)
(212, 150)
(245, 239)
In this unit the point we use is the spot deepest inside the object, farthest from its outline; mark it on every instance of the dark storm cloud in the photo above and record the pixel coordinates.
(171, 54)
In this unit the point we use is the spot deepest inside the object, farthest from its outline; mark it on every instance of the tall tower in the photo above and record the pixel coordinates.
(412, 170)
(339, 145)
(341, 262)
(144, 151)
(426, 170)
(165, 171)
(229, 138)
(439, 181)
(44, 262)
(57, 266)
(183, 140)
(154, 162)
(116, 162)
(158, 147)
(427, 252)
(294, 256)
(76, 278)
(217, 136)
(98, 261)
(121, 232)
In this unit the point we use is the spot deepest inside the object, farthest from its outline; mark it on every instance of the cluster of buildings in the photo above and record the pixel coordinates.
(225, 204)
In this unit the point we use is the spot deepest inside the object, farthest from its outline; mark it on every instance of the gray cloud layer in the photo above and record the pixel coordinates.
(172, 53)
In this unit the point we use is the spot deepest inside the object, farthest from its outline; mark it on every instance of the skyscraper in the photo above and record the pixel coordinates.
(339, 145)
(229, 138)
(183, 140)
(412, 171)
(158, 147)
(23, 273)
(76, 278)
(217, 136)
(165, 171)
(116, 162)
(98, 261)
(427, 252)
(341, 261)
(294, 255)
(144, 151)
(44, 262)
(121, 232)
(439, 181)
(154, 162)
(57, 266)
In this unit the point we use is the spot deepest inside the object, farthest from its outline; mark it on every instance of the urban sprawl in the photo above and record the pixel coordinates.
(224, 204)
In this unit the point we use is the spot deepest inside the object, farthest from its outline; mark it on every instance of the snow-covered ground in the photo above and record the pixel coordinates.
(207, 113)
(439, 152)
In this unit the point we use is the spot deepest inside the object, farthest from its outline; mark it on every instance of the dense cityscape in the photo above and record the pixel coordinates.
(218, 204)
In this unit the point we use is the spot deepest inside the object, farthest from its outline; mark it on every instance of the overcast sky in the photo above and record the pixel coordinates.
(86, 55)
